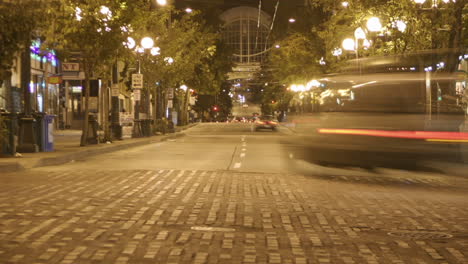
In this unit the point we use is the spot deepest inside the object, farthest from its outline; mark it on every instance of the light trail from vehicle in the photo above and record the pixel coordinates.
(426, 135)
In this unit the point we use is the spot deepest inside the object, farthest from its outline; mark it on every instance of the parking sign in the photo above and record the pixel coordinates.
(137, 81)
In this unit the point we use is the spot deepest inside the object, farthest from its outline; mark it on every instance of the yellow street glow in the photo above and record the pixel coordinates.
(447, 140)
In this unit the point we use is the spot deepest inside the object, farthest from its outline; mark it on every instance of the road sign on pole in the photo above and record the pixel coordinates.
(137, 81)
(115, 91)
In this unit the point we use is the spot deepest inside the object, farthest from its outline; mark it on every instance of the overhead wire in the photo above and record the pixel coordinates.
(272, 25)
(258, 23)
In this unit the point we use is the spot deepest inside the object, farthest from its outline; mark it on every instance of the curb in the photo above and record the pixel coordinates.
(82, 155)
(85, 153)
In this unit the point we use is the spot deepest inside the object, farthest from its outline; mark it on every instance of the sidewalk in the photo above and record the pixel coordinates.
(67, 149)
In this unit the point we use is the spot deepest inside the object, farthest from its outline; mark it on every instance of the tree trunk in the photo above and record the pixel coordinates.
(106, 110)
(155, 108)
(26, 79)
(185, 107)
(8, 92)
(85, 126)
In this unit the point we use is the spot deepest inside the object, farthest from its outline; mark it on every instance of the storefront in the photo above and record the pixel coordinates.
(44, 92)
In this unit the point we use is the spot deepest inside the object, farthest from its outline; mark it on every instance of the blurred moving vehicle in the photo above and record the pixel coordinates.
(403, 111)
(265, 122)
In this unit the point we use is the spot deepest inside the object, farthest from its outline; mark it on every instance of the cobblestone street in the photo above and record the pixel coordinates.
(195, 216)
(224, 194)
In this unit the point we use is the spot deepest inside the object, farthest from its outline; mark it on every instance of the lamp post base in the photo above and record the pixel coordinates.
(136, 129)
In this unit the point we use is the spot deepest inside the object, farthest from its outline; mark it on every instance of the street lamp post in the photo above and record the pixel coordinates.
(146, 43)
(373, 25)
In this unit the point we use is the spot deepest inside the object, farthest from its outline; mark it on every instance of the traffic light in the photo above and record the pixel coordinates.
(215, 108)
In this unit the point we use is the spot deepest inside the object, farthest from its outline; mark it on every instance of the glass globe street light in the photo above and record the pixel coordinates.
(373, 24)
(147, 43)
(348, 44)
(155, 51)
(130, 43)
(401, 25)
(161, 2)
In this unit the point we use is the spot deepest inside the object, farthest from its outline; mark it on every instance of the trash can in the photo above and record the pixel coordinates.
(45, 131)
(48, 143)
(39, 130)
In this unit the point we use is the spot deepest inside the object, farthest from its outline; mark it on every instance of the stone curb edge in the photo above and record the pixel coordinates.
(44, 162)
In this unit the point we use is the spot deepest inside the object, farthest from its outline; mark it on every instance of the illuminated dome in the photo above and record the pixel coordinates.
(242, 34)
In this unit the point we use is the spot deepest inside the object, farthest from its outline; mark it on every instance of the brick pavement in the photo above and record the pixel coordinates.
(174, 216)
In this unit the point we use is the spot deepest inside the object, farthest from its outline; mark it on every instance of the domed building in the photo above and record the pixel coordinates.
(247, 36)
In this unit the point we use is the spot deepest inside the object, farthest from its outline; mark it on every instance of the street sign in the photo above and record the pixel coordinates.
(115, 91)
(137, 94)
(137, 81)
(125, 119)
(54, 80)
(170, 93)
(70, 67)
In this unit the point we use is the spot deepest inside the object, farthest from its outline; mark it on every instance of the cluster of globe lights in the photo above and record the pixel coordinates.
(304, 88)
(373, 25)
(146, 43)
